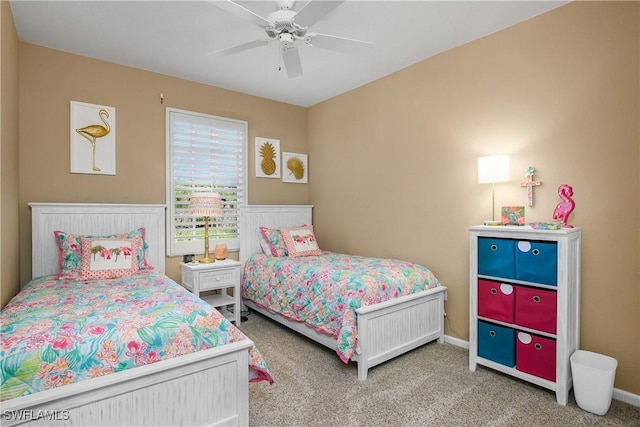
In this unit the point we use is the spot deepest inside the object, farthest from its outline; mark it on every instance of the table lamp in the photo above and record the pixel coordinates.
(206, 205)
(492, 169)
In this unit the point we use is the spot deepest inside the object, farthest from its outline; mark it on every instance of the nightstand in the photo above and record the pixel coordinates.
(219, 276)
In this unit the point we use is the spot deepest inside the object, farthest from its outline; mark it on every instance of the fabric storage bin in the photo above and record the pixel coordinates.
(537, 262)
(496, 257)
(536, 308)
(496, 300)
(536, 355)
(497, 343)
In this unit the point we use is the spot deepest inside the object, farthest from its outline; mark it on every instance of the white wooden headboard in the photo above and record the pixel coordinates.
(252, 217)
(96, 219)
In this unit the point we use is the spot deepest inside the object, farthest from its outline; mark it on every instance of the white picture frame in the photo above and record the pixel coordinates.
(267, 167)
(93, 138)
(295, 168)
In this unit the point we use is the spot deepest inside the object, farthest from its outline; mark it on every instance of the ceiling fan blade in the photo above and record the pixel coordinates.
(291, 59)
(313, 11)
(240, 47)
(342, 44)
(241, 12)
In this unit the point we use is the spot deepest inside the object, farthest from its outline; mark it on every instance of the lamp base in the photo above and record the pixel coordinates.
(207, 260)
(493, 223)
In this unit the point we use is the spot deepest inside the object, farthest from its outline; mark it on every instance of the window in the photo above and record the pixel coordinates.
(204, 153)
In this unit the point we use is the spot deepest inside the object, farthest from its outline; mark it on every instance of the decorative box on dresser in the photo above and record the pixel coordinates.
(219, 276)
(525, 303)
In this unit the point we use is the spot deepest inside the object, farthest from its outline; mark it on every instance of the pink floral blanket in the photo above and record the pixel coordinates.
(57, 332)
(325, 291)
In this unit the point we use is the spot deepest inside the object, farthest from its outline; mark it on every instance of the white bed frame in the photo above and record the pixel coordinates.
(385, 330)
(209, 387)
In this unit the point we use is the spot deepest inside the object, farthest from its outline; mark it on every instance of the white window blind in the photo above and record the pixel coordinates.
(204, 153)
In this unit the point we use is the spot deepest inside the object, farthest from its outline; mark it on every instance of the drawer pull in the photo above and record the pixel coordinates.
(536, 251)
(494, 247)
(494, 291)
(538, 346)
(492, 333)
(536, 298)
(218, 279)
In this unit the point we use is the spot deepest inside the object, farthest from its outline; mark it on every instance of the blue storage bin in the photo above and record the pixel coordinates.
(496, 257)
(537, 262)
(497, 343)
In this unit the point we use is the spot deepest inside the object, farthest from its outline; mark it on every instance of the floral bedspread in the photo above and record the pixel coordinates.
(325, 291)
(57, 332)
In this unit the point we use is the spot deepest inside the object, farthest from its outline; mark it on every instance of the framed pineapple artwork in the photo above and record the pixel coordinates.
(267, 158)
(296, 168)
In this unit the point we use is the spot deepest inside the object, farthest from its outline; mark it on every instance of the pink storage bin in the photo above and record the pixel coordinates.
(496, 300)
(536, 355)
(536, 309)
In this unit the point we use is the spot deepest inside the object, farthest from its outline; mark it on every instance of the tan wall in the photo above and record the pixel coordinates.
(394, 162)
(9, 242)
(50, 79)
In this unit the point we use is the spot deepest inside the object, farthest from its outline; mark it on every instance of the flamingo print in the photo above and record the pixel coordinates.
(566, 206)
(91, 132)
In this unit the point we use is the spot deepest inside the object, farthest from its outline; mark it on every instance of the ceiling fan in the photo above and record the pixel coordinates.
(288, 27)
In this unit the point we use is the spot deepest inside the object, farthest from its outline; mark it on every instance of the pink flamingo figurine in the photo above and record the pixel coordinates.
(566, 206)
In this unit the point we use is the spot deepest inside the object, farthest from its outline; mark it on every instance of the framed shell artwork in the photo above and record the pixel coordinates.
(296, 168)
(267, 156)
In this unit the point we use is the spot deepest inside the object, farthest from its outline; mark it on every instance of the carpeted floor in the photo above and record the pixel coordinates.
(430, 386)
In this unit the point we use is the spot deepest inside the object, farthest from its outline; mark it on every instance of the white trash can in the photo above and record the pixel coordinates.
(593, 376)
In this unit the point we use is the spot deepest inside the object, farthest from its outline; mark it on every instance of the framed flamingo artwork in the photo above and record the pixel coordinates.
(93, 138)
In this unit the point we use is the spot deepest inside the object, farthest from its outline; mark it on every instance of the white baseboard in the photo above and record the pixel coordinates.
(621, 395)
(626, 397)
(456, 341)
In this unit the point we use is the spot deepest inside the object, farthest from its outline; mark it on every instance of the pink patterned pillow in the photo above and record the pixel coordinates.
(109, 258)
(70, 251)
(300, 241)
(272, 238)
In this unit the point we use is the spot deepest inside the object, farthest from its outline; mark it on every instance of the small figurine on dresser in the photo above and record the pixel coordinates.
(566, 206)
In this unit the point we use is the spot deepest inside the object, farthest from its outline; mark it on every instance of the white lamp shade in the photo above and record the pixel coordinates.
(493, 169)
(205, 204)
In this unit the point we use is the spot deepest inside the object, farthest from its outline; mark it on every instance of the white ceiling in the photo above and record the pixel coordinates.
(175, 37)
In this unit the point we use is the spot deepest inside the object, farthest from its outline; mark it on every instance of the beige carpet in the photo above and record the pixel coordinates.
(430, 386)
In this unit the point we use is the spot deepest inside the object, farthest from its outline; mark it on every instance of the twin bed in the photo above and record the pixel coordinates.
(375, 328)
(202, 377)
(197, 375)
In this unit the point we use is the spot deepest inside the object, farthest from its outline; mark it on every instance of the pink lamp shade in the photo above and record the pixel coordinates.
(206, 204)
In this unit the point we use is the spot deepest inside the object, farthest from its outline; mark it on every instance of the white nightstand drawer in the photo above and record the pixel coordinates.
(223, 277)
(218, 279)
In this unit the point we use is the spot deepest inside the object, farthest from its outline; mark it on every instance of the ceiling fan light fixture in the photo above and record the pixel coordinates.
(286, 40)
